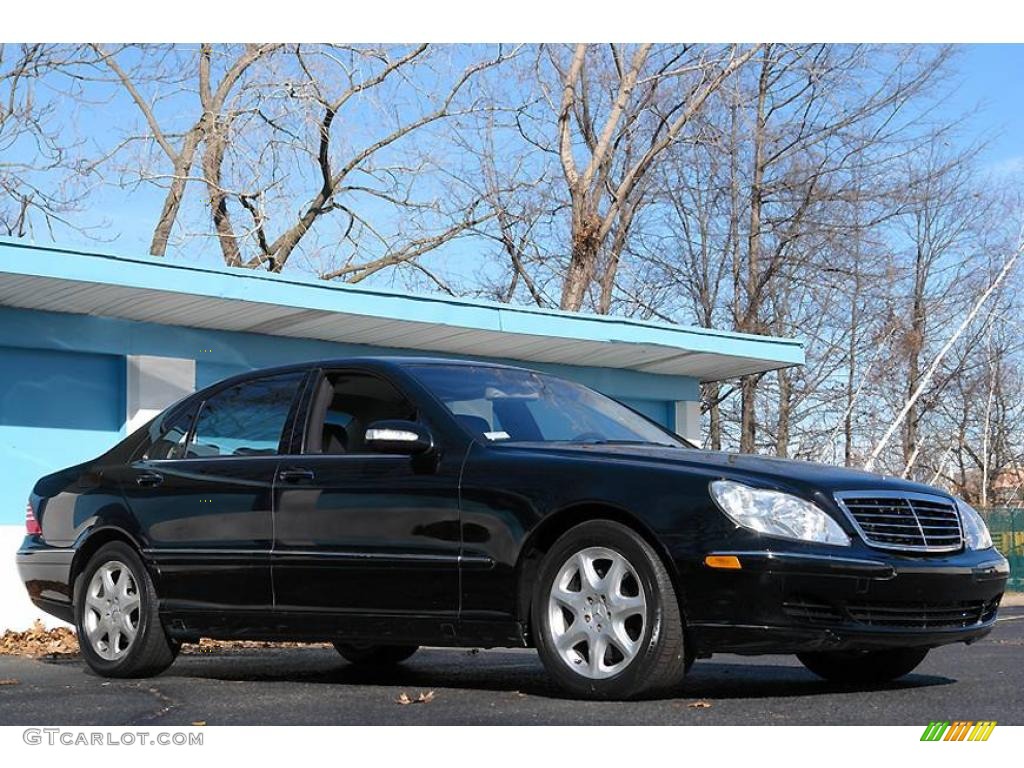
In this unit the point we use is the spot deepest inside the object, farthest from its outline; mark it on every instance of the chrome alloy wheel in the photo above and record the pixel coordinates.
(112, 610)
(597, 613)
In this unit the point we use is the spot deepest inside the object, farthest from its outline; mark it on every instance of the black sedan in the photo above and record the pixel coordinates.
(383, 504)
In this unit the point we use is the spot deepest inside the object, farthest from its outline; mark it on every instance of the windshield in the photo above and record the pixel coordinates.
(508, 405)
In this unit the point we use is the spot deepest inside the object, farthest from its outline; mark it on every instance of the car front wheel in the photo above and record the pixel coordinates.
(606, 619)
(863, 666)
(119, 629)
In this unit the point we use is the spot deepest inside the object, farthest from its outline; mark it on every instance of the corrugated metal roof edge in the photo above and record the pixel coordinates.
(785, 351)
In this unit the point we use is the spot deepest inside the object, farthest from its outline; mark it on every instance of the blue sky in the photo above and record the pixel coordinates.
(989, 78)
(992, 77)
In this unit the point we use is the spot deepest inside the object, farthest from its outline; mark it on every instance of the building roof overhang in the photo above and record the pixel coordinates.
(181, 294)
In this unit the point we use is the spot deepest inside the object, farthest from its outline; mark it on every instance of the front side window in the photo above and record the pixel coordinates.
(246, 419)
(346, 403)
(505, 404)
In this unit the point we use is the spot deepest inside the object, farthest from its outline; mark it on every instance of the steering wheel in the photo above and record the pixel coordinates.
(588, 437)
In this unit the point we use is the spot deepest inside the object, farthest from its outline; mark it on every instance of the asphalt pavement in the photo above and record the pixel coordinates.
(314, 685)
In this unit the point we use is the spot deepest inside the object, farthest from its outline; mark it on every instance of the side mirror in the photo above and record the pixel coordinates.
(401, 437)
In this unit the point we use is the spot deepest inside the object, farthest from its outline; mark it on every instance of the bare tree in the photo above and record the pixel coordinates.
(808, 141)
(515, 190)
(333, 80)
(619, 110)
(808, 191)
(926, 376)
(210, 122)
(40, 180)
(260, 132)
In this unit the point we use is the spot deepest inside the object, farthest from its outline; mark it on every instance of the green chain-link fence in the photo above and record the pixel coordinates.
(1007, 527)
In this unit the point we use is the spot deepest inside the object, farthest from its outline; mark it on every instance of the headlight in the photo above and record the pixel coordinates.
(976, 533)
(776, 513)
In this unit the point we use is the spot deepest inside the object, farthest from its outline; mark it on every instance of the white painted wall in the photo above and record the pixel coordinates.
(153, 384)
(688, 420)
(16, 610)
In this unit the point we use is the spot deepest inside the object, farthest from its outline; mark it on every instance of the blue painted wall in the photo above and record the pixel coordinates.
(62, 380)
(662, 411)
(55, 406)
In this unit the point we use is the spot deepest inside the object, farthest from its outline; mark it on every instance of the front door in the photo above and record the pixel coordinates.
(367, 541)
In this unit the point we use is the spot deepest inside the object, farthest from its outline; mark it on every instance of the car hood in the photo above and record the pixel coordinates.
(738, 466)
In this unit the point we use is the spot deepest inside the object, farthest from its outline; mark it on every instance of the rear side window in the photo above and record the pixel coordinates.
(245, 419)
(170, 444)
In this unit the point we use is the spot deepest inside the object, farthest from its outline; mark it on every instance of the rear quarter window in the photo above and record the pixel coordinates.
(169, 441)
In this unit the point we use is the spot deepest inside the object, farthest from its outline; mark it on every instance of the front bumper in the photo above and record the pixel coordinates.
(794, 601)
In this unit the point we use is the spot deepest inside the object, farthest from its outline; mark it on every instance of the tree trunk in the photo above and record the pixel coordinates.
(750, 323)
(213, 160)
(748, 424)
(172, 201)
(848, 418)
(783, 420)
(915, 344)
(712, 392)
(585, 252)
(611, 270)
(851, 352)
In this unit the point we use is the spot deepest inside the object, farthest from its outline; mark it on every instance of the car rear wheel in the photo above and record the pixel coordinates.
(375, 655)
(863, 666)
(119, 629)
(605, 615)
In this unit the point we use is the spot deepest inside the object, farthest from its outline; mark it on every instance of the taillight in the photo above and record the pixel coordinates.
(31, 524)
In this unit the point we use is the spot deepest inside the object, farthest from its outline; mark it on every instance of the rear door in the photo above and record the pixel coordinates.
(203, 495)
(368, 541)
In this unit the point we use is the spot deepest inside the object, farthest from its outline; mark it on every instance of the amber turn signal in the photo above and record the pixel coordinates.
(728, 562)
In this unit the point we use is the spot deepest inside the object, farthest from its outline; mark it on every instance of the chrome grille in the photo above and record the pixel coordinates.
(913, 522)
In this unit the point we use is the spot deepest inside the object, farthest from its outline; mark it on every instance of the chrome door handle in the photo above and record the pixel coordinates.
(149, 479)
(294, 474)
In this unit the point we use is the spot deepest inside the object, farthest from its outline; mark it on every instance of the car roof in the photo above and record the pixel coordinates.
(363, 361)
(402, 361)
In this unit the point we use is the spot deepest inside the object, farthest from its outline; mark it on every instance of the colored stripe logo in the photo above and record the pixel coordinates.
(958, 730)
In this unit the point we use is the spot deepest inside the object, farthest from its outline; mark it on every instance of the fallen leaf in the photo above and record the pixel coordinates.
(8, 682)
(422, 698)
(39, 641)
(700, 704)
(209, 645)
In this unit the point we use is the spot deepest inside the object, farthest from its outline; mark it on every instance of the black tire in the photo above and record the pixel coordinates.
(375, 655)
(863, 666)
(661, 661)
(151, 651)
